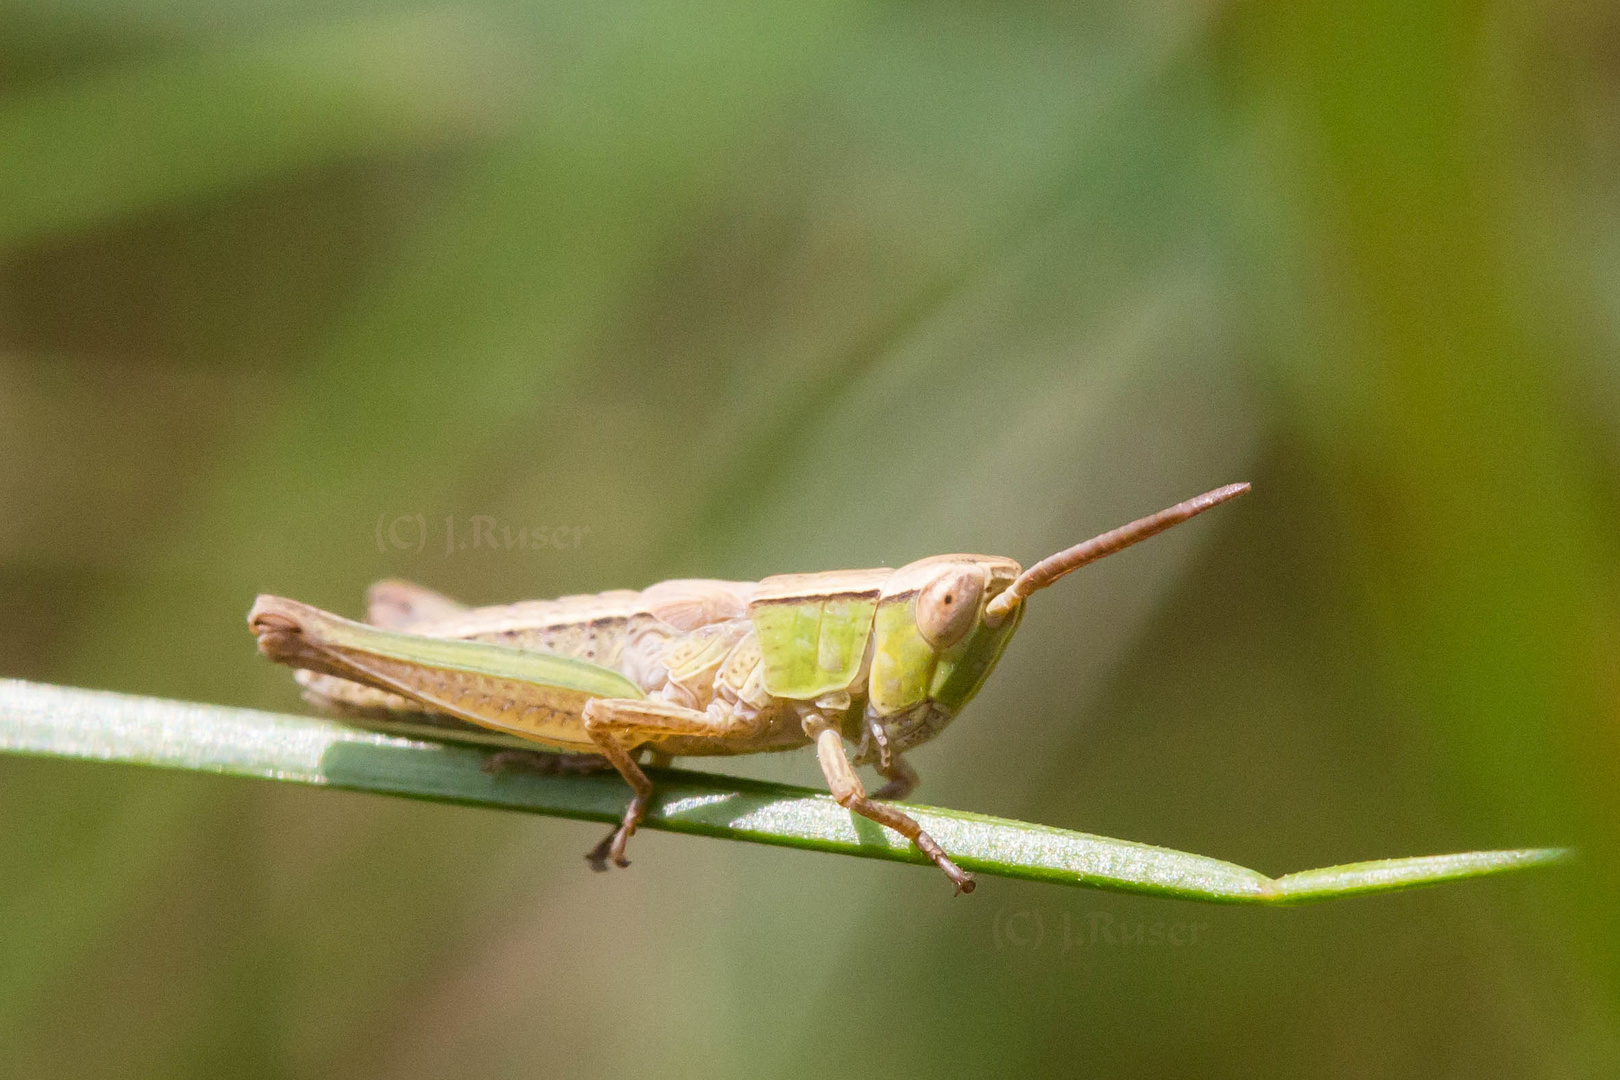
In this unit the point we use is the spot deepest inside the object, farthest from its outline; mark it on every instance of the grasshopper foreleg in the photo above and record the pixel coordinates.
(846, 787)
(617, 725)
(901, 777)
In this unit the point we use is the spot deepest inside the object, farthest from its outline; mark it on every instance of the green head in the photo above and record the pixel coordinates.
(931, 641)
(943, 622)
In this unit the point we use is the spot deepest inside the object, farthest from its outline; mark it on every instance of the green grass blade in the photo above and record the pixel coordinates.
(99, 726)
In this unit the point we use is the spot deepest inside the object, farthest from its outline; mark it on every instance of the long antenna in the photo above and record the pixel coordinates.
(1049, 569)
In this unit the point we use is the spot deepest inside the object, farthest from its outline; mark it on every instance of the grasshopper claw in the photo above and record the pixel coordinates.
(612, 847)
(597, 857)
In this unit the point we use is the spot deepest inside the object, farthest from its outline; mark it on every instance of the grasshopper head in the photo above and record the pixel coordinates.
(943, 622)
(933, 644)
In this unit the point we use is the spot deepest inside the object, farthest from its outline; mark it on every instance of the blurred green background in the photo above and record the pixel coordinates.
(735, 289)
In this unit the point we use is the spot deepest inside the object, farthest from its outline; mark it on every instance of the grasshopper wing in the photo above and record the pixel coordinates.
(399, 605)
(536, 696)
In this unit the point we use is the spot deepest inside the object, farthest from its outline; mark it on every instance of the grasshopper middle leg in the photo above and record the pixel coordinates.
(617, 725)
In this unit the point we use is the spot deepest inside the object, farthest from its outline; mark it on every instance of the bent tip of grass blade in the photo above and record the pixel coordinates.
(1038, 852)
(1392, 875)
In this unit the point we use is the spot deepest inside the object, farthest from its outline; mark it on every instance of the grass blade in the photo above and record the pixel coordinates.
(95, 725)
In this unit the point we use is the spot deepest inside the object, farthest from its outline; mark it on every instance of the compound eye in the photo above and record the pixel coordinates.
(949, 606)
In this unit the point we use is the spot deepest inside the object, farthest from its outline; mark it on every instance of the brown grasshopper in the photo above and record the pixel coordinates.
(879, 659)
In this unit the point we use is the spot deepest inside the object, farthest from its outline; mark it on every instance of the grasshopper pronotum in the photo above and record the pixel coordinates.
(882, 659)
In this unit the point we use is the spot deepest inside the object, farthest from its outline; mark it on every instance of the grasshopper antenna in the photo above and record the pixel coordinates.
(1049, 569)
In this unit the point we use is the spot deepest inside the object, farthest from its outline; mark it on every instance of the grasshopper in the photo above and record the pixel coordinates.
(878, 659)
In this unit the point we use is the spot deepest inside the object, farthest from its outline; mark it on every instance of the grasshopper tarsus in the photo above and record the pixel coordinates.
(929, 846)
(611, 848)
(627, 828)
